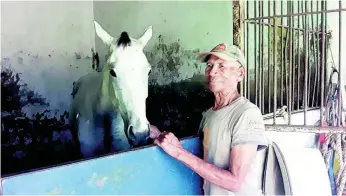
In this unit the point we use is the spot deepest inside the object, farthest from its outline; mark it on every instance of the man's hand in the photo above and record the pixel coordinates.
(166, 140)
(154, 132)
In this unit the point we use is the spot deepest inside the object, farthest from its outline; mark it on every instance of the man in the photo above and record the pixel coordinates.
(233, 130)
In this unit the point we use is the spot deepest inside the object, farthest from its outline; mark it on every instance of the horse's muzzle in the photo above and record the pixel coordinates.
(138, 137)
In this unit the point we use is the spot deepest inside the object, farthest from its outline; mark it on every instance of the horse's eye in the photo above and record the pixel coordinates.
(149, 72)
(112, 72)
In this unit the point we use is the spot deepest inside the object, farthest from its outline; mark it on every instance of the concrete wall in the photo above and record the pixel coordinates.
(336, 42)
(49, 43)
(187, 26)
(333, 25)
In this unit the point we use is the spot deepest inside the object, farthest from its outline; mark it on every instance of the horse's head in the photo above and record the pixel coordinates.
(128, 69)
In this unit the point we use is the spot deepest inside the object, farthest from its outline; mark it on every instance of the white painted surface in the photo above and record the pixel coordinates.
(41, 40)
(295, 139)
(31, 31)
(303, 170)
(192, 24)
(333, 54)
(297, 118)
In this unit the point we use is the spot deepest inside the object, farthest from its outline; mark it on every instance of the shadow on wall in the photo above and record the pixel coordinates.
(28, 142)
(40, 141)
(178, 107)
(177, 92)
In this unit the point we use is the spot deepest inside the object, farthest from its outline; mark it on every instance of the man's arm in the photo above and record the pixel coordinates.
(242, 157)
(247, 136)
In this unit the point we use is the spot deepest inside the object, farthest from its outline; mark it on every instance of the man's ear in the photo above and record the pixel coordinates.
(241, 73)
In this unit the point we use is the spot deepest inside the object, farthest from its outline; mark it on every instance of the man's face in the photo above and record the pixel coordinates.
(223, 75)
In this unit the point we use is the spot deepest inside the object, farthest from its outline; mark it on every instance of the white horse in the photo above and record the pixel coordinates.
(108, 111)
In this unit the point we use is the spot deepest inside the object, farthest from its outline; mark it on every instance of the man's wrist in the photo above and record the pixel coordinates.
(180, 153)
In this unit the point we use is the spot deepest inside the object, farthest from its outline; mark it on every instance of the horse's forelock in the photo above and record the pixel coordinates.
(124, 39)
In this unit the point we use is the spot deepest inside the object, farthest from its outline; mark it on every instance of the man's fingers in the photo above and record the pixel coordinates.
(170, 135)
(154, 132)
(160, 142)
(157, 142)
(162, 138)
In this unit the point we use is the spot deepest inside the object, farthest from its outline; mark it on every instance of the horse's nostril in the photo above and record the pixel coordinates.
(131, 133)
(138, 136)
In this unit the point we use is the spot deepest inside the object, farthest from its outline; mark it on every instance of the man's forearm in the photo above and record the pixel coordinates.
(209, 172)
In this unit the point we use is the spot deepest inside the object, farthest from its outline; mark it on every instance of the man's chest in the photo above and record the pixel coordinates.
(217, 138)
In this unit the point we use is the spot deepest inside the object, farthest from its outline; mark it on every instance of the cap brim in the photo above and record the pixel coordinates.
(201, 56)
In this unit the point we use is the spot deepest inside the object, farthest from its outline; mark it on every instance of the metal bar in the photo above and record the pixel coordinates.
(308, 56)
(282, 59)
(297, 14)
(304, 129)
(286, 66)
(259, 83)
(314, 59)
(268, 68)
(306, 65)
(325, 48)
(262, 63)
(340, 69)
(322, 62)
(293, 58)
(237, 28)
(270, 115)
(244, 50)
(247, 80)
(318, 56)
(274, 64)
(298, 81)
(289, 7)
(285, 26)
(255, 55)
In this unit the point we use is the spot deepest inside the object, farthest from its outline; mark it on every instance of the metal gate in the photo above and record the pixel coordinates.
(288, 53)
(282, 68)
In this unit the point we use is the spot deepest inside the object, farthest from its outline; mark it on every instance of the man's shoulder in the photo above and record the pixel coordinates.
(249, 126)
(246, 103)
(230, 115)
(245, 107)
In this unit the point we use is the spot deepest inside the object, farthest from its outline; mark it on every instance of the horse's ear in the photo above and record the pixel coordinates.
(102, 34)
(146, 36)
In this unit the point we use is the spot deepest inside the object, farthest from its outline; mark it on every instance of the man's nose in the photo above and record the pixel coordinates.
(213, 71)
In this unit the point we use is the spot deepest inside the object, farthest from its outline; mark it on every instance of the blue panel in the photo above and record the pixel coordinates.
(144, 171)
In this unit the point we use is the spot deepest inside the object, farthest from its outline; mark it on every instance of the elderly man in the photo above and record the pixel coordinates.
(232, 130)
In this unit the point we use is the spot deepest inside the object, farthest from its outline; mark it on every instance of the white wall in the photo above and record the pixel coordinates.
(333, 25)
(333, 54)
(41, 40)
(193, 25)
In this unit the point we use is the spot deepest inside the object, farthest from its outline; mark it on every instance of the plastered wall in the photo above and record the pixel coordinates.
(49, 43)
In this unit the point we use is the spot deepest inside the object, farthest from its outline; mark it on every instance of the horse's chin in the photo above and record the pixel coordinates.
(148, 142)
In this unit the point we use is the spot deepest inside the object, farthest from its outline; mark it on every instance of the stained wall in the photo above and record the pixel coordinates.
(48, 44)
